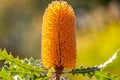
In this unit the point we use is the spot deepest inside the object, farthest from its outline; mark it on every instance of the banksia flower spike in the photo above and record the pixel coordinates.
(58, 36)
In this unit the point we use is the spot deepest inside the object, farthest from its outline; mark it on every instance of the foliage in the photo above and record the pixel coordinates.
(30, 69)
(96, 72)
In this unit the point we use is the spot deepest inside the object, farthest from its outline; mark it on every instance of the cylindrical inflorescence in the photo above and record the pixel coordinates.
(58, 36)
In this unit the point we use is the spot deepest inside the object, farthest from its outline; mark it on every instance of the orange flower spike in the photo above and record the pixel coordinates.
(58, 36)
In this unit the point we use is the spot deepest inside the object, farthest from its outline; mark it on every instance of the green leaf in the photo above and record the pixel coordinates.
(89, 71)
(94, 71)
(27, 69)
(105, 75)
(9, 58)
(4, 75)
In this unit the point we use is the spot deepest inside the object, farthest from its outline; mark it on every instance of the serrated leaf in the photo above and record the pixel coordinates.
(4, 75)
(105, 75)
(10, 58)
(89, 71)
(1, 57)
(24, 68)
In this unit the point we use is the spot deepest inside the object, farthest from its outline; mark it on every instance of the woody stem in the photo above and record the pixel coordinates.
(58, 72)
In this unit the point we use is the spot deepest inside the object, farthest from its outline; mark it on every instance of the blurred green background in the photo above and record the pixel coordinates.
(98, 30)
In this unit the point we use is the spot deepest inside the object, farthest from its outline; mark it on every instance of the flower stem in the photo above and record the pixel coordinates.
(59, 70)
